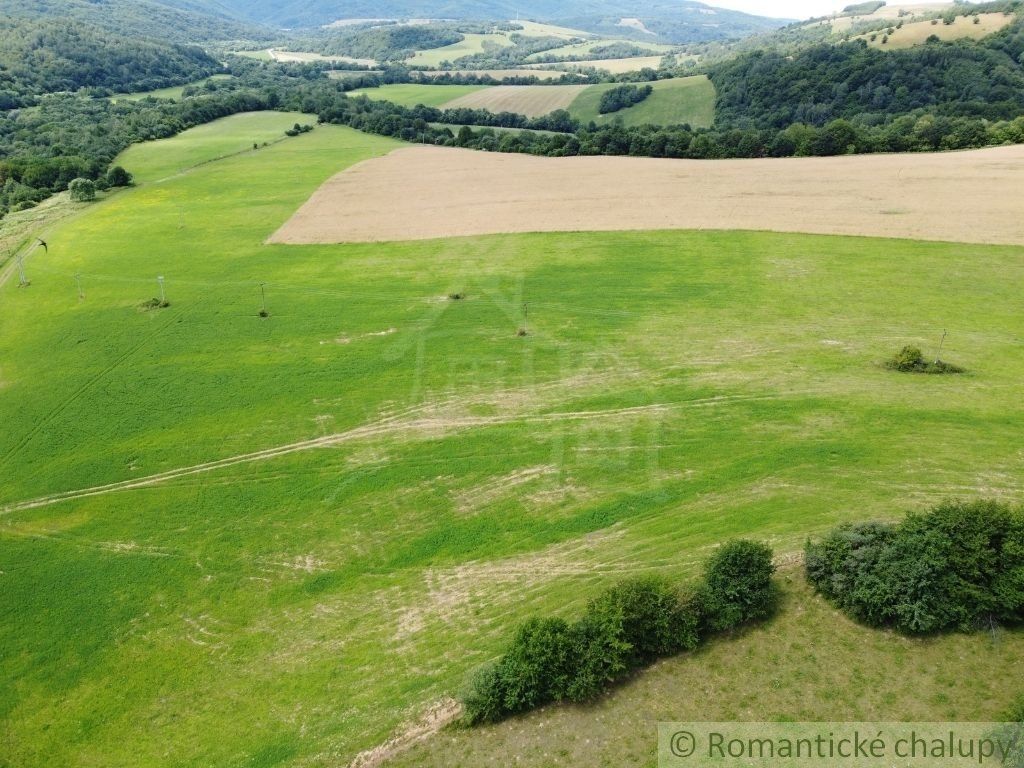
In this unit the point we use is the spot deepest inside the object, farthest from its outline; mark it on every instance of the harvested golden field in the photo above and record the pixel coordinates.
(962, 27)
(529, 100)
(970, 197)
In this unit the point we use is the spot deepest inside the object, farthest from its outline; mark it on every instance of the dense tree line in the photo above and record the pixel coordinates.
(388, 43)
(39, 57)
(623, 96)
(960, 566)
(625, 628)
(43, 149)
(868, 86)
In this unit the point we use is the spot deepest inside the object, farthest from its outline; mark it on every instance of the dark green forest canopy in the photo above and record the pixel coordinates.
(50, 56)
(855, 82)
(180, 21)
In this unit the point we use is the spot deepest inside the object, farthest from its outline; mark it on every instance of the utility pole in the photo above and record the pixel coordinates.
(160, 282)
(938, 356)
(263, 297)
(78, 282)
(22, 280)
(526, 317)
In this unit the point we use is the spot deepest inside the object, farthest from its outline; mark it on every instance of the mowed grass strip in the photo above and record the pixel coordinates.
(296, 610)
(412, 94)
(470, 45)
(156, 160)
(677, 101)
(529, 100)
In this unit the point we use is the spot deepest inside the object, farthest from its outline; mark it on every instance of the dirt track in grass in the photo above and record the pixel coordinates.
(419, 193)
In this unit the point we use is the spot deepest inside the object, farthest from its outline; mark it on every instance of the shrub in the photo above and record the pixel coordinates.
(624, 628)
(1012, 733)
(82, 190)
(910, 359)
(118, 177)
(738, 585)
(960, 566)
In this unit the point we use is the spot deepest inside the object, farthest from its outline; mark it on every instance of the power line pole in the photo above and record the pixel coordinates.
(526, 318)
(938, 355)
(22, 279)
(160, 282)
(263, 298)
(78, 282)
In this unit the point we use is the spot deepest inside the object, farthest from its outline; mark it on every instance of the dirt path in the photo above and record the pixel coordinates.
(406, 423)
(971, 197)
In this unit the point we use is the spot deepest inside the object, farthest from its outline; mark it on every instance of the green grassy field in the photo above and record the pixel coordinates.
(160, 159)
(173, 92)
(411, 94)
(472, 44)
(673, 102)
(429, 478)
(582, 49)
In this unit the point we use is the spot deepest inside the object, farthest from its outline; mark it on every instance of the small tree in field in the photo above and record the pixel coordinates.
(738, 585)
(82, 190)
(118, 177)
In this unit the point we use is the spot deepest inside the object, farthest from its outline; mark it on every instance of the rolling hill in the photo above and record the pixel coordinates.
(678, 21)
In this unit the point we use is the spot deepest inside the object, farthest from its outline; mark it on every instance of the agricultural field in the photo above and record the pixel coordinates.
(906, 196)
(173, 92)
(165, 158)
(534, 29)
(501, 74)
(304, 57)
(529, 100)
(411, 94)
(582, 49)
(812, 663)
(673, 102)
(916, 33)
(472, 44)
(614, 66)
(381, 420)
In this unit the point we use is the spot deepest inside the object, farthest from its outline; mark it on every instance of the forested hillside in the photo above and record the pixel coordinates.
(38, 57)
(392, 43)
(181, 21)
(867, 85)
(680, 18)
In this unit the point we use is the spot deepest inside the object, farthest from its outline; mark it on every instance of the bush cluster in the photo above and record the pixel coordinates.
(623, 629)
(960, 566)
(911, 360)
(623, 96)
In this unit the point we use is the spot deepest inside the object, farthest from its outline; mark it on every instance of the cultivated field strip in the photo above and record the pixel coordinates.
(970, 197)
(529, 100)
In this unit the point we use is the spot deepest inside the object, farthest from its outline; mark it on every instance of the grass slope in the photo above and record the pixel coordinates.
(676, 101)
(472, 44)
(159, 159)
(173, 92)
(810, 663)
(963, 27)
(582, 49)
(411, 94)
(297, 609)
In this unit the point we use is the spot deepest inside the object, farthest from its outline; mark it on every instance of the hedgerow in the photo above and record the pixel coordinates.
(960, 566)
(625, 628)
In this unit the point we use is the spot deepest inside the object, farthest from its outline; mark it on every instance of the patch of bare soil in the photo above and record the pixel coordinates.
(419, 193)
